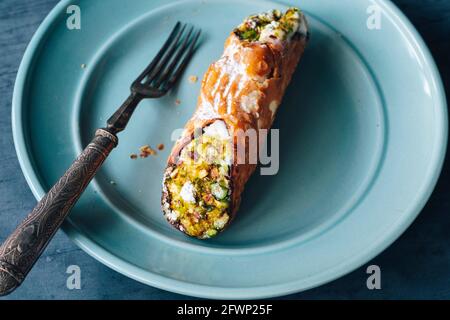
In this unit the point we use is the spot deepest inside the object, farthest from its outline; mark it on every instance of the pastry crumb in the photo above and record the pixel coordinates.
(133, 156)
(83, 66)
(160, 147)
(177, 102)
(146, 151)
(193, 79)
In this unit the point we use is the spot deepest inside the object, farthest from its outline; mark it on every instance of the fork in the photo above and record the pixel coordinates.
(24, 246)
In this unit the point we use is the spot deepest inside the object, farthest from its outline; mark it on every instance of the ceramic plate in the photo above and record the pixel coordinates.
(363, 135)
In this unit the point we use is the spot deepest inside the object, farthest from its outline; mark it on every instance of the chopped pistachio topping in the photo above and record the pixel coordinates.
(199, 187)
(270, 25)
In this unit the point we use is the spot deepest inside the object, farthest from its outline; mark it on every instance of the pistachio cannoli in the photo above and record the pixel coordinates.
(205, 178)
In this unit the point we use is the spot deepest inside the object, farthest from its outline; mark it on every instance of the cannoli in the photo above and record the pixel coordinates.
(205, 175)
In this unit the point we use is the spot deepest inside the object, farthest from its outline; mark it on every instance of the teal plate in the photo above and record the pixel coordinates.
(363, 135)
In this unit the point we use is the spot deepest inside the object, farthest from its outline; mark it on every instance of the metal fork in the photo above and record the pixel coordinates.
(24, 246)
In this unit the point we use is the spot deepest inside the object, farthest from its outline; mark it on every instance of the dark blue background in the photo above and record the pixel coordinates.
(415, 266)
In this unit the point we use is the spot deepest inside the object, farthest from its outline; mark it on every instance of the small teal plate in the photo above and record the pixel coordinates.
(363, 137)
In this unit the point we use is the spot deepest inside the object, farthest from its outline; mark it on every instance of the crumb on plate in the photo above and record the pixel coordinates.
(193, 79)
(133, 156)
(146, 151)
(160, 146)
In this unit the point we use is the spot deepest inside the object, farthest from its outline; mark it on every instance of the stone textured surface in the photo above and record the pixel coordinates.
(415, 266)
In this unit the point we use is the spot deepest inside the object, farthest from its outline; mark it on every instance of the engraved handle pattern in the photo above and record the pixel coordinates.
(24, 246)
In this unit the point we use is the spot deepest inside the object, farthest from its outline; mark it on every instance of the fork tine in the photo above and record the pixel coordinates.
(181, 51)
(160, 54)
(166, 58)
(183, 63)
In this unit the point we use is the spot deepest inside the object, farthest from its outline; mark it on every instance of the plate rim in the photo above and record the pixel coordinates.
(206, 291)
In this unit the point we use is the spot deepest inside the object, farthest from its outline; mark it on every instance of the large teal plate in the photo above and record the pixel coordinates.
(363, 136)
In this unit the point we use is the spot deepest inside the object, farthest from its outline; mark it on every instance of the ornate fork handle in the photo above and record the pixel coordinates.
(23, 247)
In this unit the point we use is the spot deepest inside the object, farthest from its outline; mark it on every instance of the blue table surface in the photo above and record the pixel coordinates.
(416, 266)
